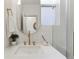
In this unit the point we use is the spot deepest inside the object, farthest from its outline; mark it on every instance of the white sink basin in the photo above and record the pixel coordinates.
(29, 50)
(33, 52)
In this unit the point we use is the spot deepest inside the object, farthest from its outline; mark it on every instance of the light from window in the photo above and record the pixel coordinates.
(47, 16)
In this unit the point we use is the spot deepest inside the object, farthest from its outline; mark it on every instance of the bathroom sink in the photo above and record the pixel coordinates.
(29, 50)
(33, 52)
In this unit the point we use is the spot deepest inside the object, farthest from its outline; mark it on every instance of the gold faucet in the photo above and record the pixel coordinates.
(29, 38)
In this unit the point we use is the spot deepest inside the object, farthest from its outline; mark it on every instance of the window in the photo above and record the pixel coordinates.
(49, 12)
(47, 16)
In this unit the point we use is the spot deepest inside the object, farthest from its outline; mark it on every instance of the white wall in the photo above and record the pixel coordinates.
(46, 31)
(70, 29)
(7, 4)
(59, 32)
(63, 34)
